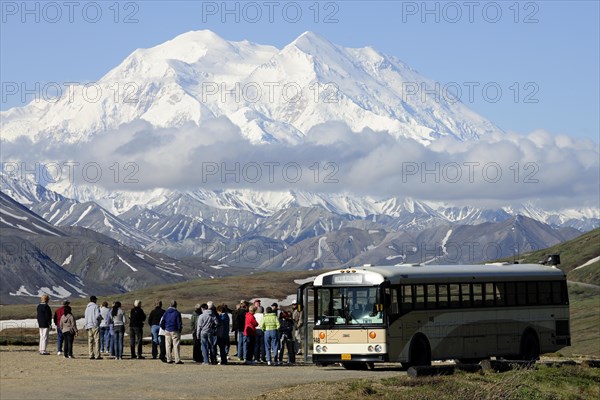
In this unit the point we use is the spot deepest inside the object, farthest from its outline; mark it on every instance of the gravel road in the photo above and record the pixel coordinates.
(24, 374)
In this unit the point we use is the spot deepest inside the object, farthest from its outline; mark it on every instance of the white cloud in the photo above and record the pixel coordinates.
(557, 171)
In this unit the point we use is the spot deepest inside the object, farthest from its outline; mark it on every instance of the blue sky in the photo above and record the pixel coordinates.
(549, 50)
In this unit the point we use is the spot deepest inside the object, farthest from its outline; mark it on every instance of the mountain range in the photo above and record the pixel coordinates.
(275, 99)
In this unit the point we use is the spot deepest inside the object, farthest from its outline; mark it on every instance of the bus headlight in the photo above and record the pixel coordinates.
(370, 348)
(318, 348)
(378, 348)
(324, 349)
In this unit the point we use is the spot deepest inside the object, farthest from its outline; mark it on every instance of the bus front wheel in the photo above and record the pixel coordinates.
(530, 346)
(420, 352)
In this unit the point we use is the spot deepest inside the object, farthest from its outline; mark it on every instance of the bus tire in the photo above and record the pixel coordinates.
(420, 351)
(530, 346)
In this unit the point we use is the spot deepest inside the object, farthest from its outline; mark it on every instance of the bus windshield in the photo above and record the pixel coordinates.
(347, 306)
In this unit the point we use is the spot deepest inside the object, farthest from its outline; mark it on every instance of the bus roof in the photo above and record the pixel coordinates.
(404, 273)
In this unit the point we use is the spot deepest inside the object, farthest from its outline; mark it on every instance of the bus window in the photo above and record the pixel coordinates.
(442, 295)
(407, 298)
(558, 295)
(454, 295)
(477, 294)
(391, 296)
(419, 292)
(431, 297)
(488, 294)
(510, 293)
(532, 293)
(544, 293)
(500, 294)
(465, 295)
(521, 293)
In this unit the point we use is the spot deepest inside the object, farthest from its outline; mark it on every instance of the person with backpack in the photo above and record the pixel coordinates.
(57, 316)
(286, 339)
(68, 327)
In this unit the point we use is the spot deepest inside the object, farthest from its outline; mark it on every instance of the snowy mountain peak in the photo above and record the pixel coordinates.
(183, 80)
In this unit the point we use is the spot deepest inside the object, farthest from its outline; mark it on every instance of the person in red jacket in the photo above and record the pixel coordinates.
(57, 316)
(250, 333)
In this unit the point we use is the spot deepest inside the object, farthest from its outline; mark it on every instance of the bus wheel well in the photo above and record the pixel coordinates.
(530, 345)
(420, 350)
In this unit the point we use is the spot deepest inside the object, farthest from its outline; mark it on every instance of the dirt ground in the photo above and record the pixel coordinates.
(24, 374)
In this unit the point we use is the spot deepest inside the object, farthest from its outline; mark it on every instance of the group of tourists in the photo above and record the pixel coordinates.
(263, 335)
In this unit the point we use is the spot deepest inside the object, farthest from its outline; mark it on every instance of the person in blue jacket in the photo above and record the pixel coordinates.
(172, 325)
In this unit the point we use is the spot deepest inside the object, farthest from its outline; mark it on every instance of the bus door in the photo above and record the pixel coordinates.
(305, 301)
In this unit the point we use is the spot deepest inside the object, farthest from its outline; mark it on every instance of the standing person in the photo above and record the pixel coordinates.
(196, 347)
(213, 345)
(298, 318)
(286, 338)
(234, 326)
(118, 321)
(136, 329)
(68, 327)
(276, 310)
(241, 324)
(259, 344)
(92, 326)
(205, 328)
(172, 325)
(223, 332)
(154, 322)
(163, 345)
(270, 326)
(250, 334)
(44, 320)
(57, 316)
(104, 329)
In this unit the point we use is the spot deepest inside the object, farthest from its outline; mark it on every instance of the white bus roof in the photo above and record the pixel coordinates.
(374, 275)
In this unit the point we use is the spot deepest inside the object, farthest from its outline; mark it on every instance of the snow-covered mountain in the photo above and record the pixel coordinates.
(272, 95)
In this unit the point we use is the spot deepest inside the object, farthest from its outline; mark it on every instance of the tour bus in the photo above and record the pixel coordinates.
(413, 314)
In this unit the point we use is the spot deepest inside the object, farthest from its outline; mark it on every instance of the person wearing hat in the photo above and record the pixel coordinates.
(92, 326)
(57, 316)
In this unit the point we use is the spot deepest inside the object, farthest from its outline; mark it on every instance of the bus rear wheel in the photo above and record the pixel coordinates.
(420, 352)
(530, 347)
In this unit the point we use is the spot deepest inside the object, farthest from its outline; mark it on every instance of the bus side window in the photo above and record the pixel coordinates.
(521, 293)
(465, 293)
(510, 293)
(500, 294)
(488, 294)
(419, 297)
(454, 295)
(431, 297)
(532, 293)
(407, 298)
(557, 293)
(477, 295)
(545, 293)
(442, 294)
(391, 299)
